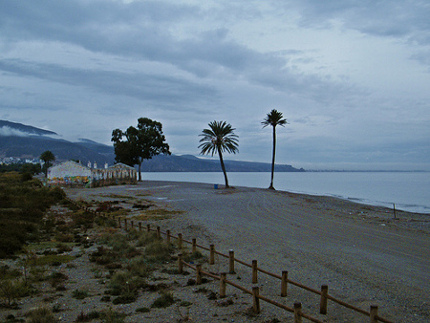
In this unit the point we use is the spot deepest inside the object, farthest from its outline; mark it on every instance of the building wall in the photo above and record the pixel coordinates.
(72, 173)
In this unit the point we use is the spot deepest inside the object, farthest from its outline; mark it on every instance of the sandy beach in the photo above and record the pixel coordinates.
(365, 254)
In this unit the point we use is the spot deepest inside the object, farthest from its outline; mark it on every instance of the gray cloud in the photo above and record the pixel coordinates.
(329, 66)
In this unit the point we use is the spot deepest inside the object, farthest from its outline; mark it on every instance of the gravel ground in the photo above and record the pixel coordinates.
(364, 254)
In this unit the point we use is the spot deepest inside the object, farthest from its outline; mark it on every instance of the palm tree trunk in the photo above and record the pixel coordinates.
(223, 167)
(273, 158)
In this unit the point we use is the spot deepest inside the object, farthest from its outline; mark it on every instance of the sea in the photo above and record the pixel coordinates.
(408, 191)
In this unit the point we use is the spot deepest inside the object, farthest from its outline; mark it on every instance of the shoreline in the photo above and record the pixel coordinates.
(384, 190)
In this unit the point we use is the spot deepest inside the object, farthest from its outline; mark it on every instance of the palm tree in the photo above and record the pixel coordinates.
(273, 119)
(218, 138)
(47, 157)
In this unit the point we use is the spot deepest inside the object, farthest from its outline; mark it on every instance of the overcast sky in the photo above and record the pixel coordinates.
(351, 77)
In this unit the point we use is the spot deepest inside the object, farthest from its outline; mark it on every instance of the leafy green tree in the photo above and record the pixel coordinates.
(143, 142)
(274, 118)
(218, 138)
(47, 157)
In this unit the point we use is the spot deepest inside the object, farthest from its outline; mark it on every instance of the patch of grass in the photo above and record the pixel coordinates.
(56, 279)
(12, 290)
(7, 273)
(104, 256)
(112, 316)
(86, 317)
(196, 255)
(12, 319)
(125, 286)
(50, 259)
(143, 310)
(65, 247)
(41, 245)
(158, 251)
(80, 294)
(146, 238)
(165, 300)
(22, 207)
(41, 315)
(140, 267)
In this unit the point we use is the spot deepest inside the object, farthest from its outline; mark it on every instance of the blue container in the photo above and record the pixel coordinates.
(215, 186)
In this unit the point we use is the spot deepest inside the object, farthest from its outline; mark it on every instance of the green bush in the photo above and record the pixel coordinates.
(140, 267)
(111, 316)
(41, 315)
(158, 251)
(126, 286)
(12, 290)
(80, 293)
(22, 206)
(86, 317)
(165, 300)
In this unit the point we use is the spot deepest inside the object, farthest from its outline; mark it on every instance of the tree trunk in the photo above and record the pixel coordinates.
(273, 158)
(223, 168)
(140, 175)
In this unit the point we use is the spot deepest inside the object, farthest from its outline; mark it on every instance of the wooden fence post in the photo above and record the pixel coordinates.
(231, 261)
(158, 233)
(256, 300)
(168, 236)
(194, 248)
(148, 228)
(212, 254)
(323, 302)
(140, 226)
(284, 283)
(298, 312)
(198, 274)
(373, 313)
(180, 264)
(222, 284)
(180, 241)
(125, 224)
(254, 272)
(132, 224)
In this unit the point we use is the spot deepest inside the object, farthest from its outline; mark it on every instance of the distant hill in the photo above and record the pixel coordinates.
(17, 129)
(189, 163)
(23, 141)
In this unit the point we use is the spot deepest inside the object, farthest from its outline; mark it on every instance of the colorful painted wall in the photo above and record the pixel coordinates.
(74, 174)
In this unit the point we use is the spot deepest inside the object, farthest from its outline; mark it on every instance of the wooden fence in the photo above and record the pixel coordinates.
(284, 280)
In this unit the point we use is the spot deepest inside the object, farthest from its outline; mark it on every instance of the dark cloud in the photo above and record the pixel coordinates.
(186, 65)
(400, 19)
(155, 89)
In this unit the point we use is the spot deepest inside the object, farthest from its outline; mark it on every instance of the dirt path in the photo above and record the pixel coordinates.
(361, 252)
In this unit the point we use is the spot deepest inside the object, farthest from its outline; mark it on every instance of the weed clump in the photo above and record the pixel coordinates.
(125, 286)
(80, 294)
(165, 300)
(12, 290)
(41, 314)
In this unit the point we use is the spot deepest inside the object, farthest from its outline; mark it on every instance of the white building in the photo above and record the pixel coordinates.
(70, 173)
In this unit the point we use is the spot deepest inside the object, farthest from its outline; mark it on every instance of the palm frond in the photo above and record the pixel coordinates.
(274, 118)
(219, 136)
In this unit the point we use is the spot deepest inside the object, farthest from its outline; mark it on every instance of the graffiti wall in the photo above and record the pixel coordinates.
(71, 173)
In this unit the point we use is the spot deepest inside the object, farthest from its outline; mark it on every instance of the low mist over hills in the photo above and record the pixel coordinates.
(24, 141)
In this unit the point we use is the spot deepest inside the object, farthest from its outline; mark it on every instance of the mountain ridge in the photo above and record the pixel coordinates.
(32, 142)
